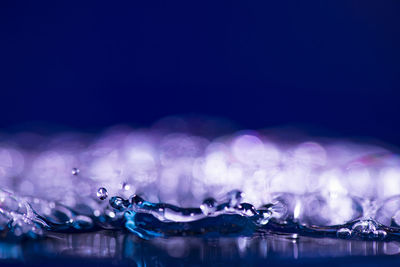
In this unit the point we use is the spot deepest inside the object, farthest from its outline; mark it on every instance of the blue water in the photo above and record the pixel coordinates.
(148, 220)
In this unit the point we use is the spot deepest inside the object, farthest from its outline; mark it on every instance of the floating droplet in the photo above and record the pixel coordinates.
(75, 171)
(235, 197)
(208, 206)
(102, 193)
(343, 233)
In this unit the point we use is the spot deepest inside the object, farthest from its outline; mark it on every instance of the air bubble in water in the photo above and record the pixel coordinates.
(235, 197)
(102, 193)
(208, 206)
(343, 233)
(75, 171)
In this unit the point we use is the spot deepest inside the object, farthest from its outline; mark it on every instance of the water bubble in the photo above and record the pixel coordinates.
(208, 206)
(247, 209)
(234, 198)
(364, 227)
(75, 171)
(263, 216)
(343, 233)
(102, 193)
(380, 234)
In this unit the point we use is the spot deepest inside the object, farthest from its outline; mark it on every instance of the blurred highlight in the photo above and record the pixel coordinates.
(142, 180)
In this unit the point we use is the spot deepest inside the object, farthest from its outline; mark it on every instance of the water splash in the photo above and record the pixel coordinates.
(102, 193)
(75, 171)
(177, 184)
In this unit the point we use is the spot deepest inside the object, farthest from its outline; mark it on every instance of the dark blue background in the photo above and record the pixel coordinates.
(329, 64)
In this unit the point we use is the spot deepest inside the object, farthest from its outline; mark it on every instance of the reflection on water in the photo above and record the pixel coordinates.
(119, 247)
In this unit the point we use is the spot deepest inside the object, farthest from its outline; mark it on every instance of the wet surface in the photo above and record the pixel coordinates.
(120, 248)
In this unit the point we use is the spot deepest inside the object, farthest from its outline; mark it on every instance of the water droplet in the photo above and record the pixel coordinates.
(364, 227)
(247, 209)
(343, 233)
(119, 203)
(235, 197)
(102, 193)
(75, 171)
(208, 206)
(136, 200)
(379, 234)
(264, 216)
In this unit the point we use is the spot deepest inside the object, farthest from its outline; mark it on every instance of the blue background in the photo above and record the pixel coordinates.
(333, 65)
